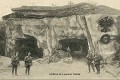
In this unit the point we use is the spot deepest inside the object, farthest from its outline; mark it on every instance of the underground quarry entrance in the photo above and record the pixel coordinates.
(28, 44)
(78, 47)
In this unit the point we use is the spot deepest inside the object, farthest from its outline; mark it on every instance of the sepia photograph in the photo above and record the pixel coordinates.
(59, 39)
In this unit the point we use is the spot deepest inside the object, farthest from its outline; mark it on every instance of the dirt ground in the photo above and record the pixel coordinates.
(76, 70)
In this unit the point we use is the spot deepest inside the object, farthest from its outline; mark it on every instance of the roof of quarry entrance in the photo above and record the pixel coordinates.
(40, 12)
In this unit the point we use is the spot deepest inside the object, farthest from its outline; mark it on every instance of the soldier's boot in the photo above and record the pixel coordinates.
(89, 68)
(97, 69)
(93, 68)
(15, 71)
(12, 70)
(26, 71)
(97, 72)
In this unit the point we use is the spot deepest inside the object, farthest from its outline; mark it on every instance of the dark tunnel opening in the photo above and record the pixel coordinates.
(28, 44)
(78, 47)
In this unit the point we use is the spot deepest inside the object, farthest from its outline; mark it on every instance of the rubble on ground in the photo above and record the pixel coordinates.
(68, 60)
(43, 60)
(59, 55)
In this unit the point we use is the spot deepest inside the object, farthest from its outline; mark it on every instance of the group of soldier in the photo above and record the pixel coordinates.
(93, 61)
(15, 63)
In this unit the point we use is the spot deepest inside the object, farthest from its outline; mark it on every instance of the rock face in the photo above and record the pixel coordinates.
(49, 31)
(95, 31)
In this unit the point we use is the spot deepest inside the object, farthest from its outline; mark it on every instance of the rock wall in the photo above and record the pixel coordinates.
(95, 31)
(49, 31)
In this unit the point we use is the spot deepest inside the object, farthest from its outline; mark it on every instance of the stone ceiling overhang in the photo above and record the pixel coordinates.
(40, 12)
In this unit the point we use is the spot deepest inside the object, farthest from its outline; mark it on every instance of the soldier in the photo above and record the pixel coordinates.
(97, 60)
(68, 51)
(90, 59)
(14, 62)
(28, 63)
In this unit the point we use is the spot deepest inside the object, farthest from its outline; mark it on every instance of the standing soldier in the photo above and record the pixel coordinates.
(68, 51)
(28, 63)
(97, 60)
(14, 62)
(90, 59)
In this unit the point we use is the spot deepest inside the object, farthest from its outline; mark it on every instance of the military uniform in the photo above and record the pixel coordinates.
(68, 52)
(14, 62)
(90, 59)
(97, 60)
(28, 63)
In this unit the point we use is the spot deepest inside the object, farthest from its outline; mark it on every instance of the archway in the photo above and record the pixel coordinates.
(79, 47)
(28, 44)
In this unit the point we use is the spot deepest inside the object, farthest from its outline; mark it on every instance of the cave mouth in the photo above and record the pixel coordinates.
(28, 44)
(78, 47)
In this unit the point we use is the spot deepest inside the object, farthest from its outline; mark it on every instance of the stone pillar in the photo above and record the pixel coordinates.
(10, 42)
